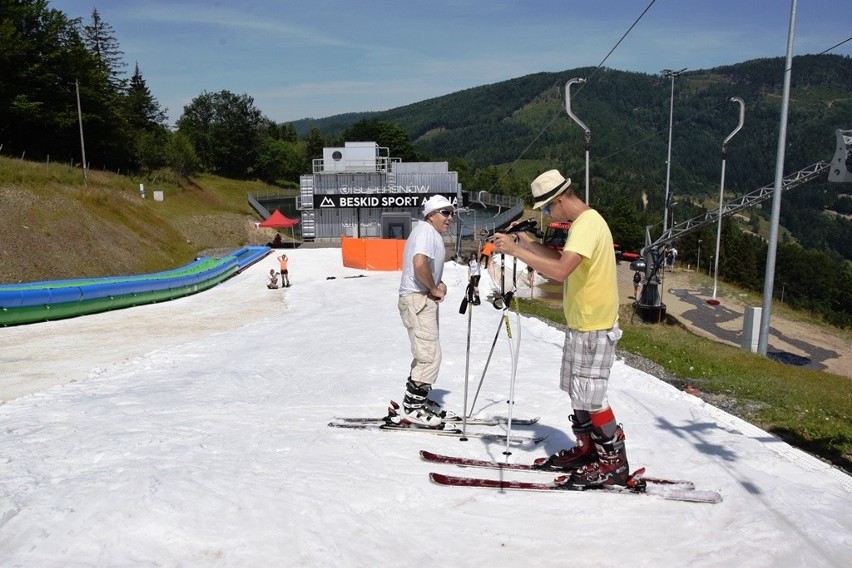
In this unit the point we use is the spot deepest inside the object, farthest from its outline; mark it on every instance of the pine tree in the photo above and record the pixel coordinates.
(315, 142)
(142, 109)
(99, 38)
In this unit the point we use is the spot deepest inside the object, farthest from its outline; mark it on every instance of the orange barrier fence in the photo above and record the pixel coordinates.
(372, 254)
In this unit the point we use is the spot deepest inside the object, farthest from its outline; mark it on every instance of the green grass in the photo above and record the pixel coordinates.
(811, 410)
(55, 225)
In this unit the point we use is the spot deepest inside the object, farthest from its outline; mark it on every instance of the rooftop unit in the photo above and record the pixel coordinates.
(354, 157)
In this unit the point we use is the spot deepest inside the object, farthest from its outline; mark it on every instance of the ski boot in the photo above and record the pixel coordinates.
(611, 467)
(580, 455)
(416, 408)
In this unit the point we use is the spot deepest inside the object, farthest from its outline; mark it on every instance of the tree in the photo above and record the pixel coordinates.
(226, 131)
(109, 137)
(149, 148)
(625, 224)
(180, 155)
(141, 108)
(280, 162)
(99, 38)
(41, 54)
(487, 179)
(146, 123)
(385, 134)
(315, 142)
(288, 132)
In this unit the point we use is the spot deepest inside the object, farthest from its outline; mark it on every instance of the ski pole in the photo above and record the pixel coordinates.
(515, 349)
(503, 320)
(487, 361)
(467, 305)
(502, 273)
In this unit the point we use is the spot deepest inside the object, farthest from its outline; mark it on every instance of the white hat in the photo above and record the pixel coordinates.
(547, 186)
(436, 202)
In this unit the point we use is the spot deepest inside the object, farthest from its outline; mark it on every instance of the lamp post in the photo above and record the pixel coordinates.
(698, 261)
(713, 301)
(587, 134)
(672, 75)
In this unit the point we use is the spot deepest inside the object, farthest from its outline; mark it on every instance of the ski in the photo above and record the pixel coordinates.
(451, 418)
(486, 464)
(455, 421)
(661, 491)
(452, 432)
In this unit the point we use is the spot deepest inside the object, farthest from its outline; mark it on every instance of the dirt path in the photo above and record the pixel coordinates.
(685, 295)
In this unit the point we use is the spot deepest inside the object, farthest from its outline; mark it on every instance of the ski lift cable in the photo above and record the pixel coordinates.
(555, 115)
(835, 46)
(657, 132)
(623, 37)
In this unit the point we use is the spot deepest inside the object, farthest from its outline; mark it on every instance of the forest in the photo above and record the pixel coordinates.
(498, 137)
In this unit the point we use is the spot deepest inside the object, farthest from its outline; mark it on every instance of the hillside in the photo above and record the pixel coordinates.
(521, 125)
(628, 116)
(55, 227)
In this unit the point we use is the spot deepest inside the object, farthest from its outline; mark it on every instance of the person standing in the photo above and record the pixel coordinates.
(420, 291)
(473, 276)
(485, 255)
(285, 274)
(586, 266)
(531, 280)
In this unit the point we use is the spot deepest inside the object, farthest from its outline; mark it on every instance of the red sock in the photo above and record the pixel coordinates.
(604, 422)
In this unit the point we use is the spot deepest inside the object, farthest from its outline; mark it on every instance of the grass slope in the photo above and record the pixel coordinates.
(808, 409)
(53, 225)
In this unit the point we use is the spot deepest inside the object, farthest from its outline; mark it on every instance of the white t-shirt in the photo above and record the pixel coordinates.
(474, 267)
(426, 240)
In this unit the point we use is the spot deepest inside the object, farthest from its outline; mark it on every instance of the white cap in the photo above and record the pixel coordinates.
(436, 202)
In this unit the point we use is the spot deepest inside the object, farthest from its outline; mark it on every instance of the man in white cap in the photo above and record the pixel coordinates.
(586, 266)
(420, 291)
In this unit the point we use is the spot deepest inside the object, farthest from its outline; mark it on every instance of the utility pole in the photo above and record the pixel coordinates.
(82, 142)
(769, 274)
(672, 75)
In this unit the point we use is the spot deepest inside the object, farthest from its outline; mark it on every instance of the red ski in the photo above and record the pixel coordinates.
(637, 488)
(470, 462)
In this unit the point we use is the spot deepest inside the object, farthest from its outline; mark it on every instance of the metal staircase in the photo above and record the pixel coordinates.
(305, 204)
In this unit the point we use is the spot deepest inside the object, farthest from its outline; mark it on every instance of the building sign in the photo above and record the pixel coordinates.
(385, 200)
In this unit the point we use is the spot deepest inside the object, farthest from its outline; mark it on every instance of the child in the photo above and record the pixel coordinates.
(273, 279)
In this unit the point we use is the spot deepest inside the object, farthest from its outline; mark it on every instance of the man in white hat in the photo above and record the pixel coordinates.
(420, 291)
(586, 266)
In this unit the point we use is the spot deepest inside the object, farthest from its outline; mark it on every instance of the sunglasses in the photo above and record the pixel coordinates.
(549, 207)
(446, 212)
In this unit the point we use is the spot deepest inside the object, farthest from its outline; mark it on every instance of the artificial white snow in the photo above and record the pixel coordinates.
(195, 433)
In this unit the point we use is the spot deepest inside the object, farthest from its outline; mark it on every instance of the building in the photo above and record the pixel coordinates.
(360, 191)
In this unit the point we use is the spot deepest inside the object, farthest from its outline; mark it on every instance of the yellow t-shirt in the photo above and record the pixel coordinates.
(590, 293)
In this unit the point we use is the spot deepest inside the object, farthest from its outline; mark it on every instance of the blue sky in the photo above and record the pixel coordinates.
(319, 58)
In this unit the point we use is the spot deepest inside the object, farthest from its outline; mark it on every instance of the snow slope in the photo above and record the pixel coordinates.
(194, 433)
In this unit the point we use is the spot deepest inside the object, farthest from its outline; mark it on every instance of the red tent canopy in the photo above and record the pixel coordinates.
(278, 221)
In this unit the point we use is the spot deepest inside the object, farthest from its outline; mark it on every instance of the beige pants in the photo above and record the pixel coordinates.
(419, 315)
